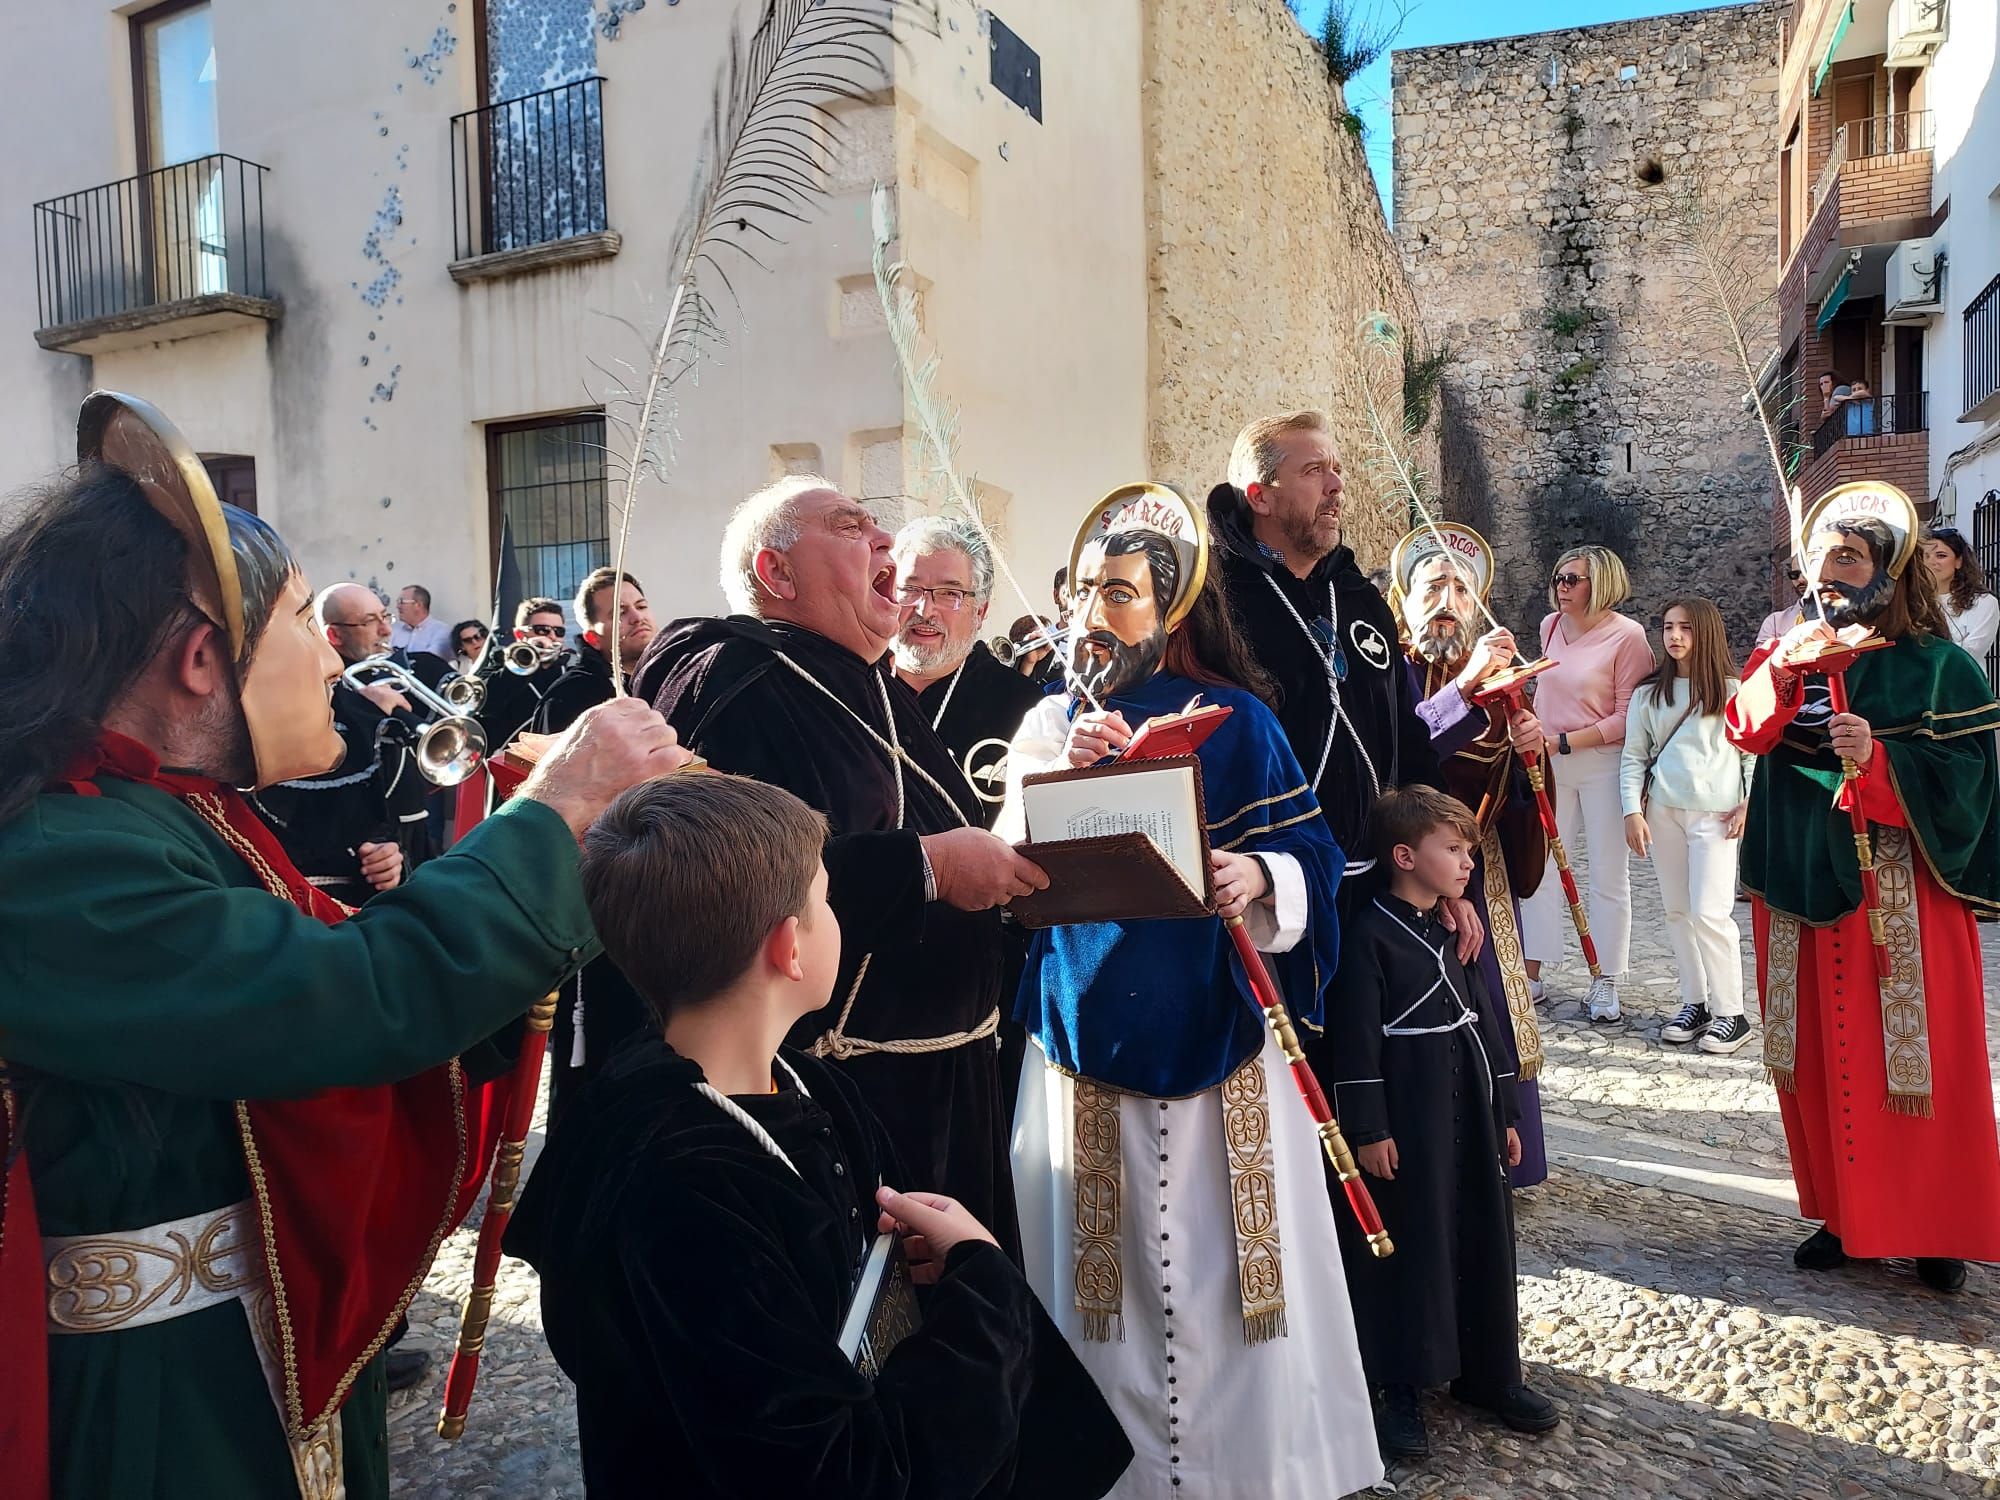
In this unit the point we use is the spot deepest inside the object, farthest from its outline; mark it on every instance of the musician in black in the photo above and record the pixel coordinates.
(514, 701)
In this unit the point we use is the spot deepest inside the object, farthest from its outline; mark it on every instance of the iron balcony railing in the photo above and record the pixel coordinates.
(1880, 135)
(1981, 341)
(529, 171)
(1872, 416)
(190, 230)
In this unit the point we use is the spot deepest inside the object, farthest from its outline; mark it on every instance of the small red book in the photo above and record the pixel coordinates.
(1164, 735)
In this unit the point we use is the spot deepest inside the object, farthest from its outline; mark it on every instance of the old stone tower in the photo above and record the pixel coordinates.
(1590, 398)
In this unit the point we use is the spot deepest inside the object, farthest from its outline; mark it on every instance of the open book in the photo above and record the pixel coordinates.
(1120, 842)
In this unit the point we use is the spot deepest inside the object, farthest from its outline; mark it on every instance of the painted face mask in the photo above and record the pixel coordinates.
(238, 568)
(1121, 638)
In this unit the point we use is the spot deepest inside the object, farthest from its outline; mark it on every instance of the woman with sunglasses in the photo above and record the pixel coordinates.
(1972, 612)
(1600, 656)
(468, 639)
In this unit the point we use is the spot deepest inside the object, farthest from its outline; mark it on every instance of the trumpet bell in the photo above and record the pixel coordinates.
(450, 750)
(526, 658)
(466, 694)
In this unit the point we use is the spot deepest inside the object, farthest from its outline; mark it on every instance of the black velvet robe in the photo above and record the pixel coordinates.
(693, 1287)
(374, 796)
(977, 712)
(1443, 1307)
(932, 970)
(597, 1008)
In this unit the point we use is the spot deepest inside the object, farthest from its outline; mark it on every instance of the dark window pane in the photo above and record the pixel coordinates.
(1017, 67)
(552, 491)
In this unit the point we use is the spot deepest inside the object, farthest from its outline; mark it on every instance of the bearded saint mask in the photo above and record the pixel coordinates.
(1440, 613)
(1121, 631)
(241, 578)
(1866, 522)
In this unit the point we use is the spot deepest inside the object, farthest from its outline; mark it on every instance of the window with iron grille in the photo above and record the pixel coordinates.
(546, 482)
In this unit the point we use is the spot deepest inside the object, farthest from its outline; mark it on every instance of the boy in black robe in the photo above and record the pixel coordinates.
(1426, 1093)
(702, 1213)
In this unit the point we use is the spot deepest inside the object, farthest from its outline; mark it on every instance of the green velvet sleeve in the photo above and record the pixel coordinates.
(134, 947)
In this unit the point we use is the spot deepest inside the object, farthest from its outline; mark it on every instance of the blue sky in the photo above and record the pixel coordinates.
(1430, 22)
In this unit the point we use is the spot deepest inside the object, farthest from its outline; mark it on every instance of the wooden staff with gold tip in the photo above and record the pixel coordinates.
(1508, 688)
(1330, 1138)
(525, 1091)
(1834, 659)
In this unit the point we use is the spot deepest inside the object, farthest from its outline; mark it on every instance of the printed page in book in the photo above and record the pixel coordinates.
(1161, 803)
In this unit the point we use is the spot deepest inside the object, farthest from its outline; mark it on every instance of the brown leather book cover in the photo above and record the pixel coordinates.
(1114, 877)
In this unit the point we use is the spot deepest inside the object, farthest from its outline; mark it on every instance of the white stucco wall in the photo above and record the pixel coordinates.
(1037, 299)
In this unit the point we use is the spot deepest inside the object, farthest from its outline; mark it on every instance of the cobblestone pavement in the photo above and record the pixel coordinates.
(1689, 1356)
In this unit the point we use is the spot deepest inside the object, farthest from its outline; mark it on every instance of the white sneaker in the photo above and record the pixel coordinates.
(1602, 1002)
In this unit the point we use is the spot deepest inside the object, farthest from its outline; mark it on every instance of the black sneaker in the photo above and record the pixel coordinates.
(1725, 1034)
(1820, 1252)
(1941, 1275)
(1689, 1022)
(1399, 1424)
(1517, 1407)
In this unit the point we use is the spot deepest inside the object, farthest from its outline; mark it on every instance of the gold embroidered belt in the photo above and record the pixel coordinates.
(99, 1283)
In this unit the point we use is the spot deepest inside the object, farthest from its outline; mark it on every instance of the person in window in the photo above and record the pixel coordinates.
(1860, 410)
(1969, 607)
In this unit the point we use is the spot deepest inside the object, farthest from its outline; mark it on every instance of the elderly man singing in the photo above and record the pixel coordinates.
(231, 1116)
(794, 688)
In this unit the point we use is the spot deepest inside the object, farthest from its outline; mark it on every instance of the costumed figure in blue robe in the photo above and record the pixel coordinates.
(1438, 576)
(1173, 1210)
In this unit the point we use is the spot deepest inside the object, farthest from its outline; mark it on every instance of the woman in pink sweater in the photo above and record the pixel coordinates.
(1600, 656)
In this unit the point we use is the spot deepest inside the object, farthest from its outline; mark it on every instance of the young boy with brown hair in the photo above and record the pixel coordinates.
(1427, 1100)
(704, 1210)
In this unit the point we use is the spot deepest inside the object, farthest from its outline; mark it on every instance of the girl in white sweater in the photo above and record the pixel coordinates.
(1686, 792)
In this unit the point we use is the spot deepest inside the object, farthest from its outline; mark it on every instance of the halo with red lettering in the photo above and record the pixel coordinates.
(1152, 507)
(1870, 500)
(1467, 548)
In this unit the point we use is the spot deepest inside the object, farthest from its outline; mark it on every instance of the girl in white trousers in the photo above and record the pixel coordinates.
(1686, 792)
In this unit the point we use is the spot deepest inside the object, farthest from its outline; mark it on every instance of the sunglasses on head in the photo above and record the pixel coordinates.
(1569, 580)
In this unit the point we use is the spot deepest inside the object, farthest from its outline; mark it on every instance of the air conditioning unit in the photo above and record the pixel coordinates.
(1913, 281)
(1916, 30)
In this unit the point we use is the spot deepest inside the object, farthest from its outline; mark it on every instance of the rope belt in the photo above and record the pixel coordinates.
(837, 1043)
(129, 1278)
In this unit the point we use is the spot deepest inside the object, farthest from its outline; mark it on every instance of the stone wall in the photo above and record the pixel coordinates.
(1536, 180)
(1267, 249)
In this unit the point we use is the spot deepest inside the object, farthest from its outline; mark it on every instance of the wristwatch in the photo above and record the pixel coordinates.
(1562, 744)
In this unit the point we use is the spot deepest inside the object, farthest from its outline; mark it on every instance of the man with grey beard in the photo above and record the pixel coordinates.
(944, 575)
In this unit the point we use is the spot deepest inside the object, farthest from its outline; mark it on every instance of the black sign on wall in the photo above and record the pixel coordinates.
(1017, 67)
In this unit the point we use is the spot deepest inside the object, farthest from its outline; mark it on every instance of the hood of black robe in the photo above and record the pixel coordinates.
(685, 638)
(1229, 533)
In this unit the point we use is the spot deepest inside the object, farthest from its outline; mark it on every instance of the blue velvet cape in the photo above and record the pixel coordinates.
(1163, 1008)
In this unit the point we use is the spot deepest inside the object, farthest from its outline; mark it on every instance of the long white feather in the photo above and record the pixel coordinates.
(937, 422)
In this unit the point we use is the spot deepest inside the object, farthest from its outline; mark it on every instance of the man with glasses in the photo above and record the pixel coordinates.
(415, 631)
(1785, 616)
(944, 575)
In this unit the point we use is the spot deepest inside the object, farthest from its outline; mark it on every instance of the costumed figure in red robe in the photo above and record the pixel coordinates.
(1882, 1083)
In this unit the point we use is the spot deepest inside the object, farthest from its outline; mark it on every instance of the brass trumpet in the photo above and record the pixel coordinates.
(451, 747)
(524, 658)
(466, 694)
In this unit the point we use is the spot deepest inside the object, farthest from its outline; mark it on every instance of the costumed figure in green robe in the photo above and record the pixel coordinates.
(235, 1129)
(1882, 1082)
